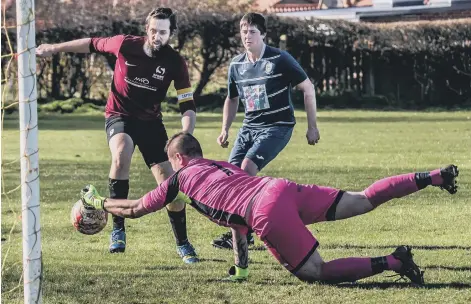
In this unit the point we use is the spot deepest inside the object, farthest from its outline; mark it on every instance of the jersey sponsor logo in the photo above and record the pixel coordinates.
(141, 80)
(160, 70)
(255, 98)
(129, 64)
(269, 67)
(140, 83)
(159, 73)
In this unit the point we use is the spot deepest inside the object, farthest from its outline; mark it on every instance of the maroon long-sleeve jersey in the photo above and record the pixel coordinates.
(140, 82)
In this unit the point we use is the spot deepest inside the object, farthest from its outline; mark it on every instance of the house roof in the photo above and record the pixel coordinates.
(274, 6)
(283, 6)
(355, 13)
(293, 8)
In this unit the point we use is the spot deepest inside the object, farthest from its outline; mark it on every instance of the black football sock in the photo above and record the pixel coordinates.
(118, 189)
(178, 221)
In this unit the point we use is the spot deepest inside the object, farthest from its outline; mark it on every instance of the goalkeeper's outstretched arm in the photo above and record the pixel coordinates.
(125, 208)
(121, 207)
(73, 46)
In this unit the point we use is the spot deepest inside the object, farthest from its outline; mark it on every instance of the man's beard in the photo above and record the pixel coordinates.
(152, 49)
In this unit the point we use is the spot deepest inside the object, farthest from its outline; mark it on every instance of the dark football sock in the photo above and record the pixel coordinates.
(118, 189)
(178, 222)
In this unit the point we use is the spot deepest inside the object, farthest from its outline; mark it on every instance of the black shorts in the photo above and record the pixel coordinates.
(149, 135)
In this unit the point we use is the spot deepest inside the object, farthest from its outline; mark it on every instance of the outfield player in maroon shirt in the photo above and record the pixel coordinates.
(145, 67)
(277, 210)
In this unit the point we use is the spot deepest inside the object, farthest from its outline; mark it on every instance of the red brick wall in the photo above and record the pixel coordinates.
(423, 16)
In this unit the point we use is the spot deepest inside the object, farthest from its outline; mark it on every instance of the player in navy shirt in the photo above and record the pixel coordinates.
(264, 87)
(145, 67)
(262, 78)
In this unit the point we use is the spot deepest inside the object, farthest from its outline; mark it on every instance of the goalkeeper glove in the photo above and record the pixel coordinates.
(237, 274)
(91, 199)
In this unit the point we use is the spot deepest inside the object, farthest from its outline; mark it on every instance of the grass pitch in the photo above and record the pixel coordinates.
(356, 148)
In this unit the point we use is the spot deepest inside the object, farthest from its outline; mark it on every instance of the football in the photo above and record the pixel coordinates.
(88, 221)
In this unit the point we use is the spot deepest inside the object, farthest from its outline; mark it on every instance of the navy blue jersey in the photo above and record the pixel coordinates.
(264, 87)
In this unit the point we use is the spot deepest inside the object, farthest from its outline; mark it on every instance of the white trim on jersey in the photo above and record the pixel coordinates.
(276, 111)
(247, 62)
(276, 93)
(285, 123)
(259, 78)
(243, 62)
(270, 58)
(278, 123)
(140, 85)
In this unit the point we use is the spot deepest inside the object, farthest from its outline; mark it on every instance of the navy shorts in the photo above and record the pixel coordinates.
(149, 135)
(260, 145)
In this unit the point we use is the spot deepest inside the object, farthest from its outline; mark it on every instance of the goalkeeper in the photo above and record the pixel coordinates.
(277, 210)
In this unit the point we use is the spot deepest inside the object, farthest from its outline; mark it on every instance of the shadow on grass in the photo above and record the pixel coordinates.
(94, 122)
(213, 260)
(265, 282)
(257, 248)
(440, 267)
(166, 267)
(401, 285)
(418, 247)
(97, 122)
(273, 263)
(274, 282)
(389, 119)
(75, 122)
(384, 285)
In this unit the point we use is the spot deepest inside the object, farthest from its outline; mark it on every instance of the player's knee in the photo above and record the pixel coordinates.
(312, 276)
(179, 202)
(176, 205)
(162, 171)
(310, 272)
(249, 166)
(364, 199)
(121, 162)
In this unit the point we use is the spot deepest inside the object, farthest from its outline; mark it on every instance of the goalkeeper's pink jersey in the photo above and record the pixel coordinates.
(216, 189)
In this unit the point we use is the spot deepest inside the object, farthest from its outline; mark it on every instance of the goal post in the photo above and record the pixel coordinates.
(27, 97)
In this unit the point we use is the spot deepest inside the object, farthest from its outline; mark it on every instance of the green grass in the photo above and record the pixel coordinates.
(356, 148)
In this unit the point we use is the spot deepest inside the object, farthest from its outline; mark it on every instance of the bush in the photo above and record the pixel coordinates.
(90, 108)
(424, 64)
(62, 106)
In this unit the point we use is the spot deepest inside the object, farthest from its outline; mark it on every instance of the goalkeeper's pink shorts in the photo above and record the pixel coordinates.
(280, 214)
